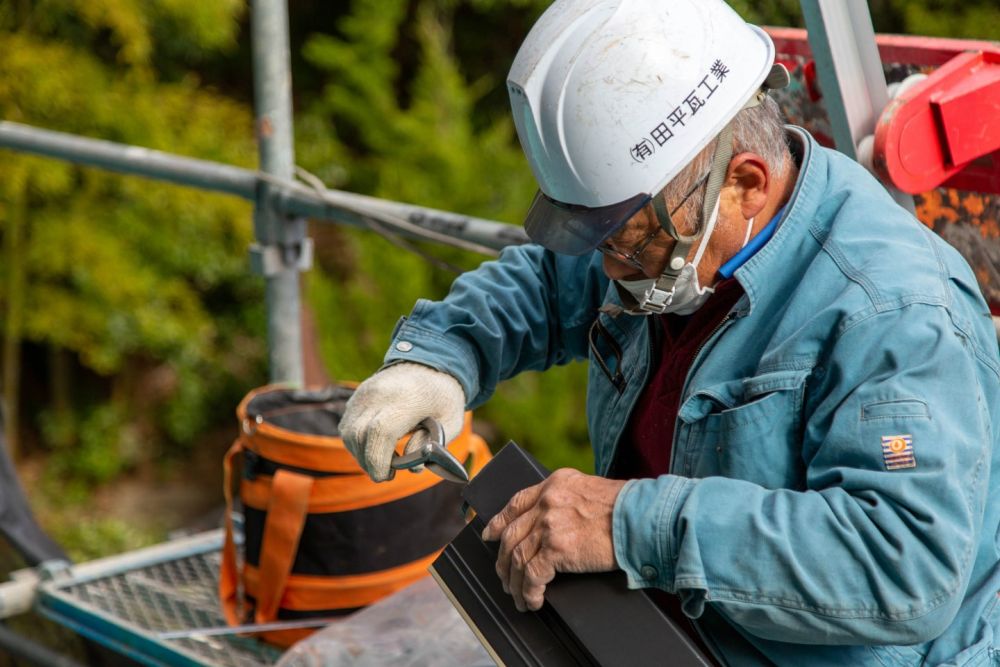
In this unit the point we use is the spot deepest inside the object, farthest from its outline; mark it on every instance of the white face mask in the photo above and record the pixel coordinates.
(687, 294)
(637, 288)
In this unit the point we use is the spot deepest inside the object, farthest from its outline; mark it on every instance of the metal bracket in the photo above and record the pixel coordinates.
(55, 570)
(270, 260)
(944, 130)
(18, 595)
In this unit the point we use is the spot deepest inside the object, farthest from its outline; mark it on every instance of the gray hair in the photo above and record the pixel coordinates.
(759, 129)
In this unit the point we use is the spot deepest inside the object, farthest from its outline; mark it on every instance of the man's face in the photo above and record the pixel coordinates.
(641, 249)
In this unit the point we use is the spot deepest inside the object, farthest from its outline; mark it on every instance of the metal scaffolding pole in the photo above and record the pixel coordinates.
(281, 250)
(288, 198)
(842, 39)
(127, 159)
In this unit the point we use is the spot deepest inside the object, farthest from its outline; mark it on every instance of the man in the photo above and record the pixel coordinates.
(793, 386)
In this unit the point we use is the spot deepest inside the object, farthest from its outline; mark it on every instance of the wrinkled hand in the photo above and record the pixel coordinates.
(560, 525)
(390, 404)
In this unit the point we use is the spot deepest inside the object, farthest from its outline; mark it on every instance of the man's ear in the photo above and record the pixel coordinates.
(750, 178)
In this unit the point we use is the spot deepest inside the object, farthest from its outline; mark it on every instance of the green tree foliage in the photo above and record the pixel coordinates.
(419, 139)
(971, 19)
(770, 12)
(978, 19)
(144, 285)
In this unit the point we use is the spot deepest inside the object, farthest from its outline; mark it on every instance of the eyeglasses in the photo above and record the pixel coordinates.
(632, 258)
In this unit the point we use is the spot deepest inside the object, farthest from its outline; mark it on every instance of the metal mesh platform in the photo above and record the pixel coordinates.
(126, 604)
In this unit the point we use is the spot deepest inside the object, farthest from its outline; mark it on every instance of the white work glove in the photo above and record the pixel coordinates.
(390, 404)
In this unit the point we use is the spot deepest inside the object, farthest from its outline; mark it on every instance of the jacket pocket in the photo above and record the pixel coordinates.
(899, 656)
(759, 437)
(898, 408)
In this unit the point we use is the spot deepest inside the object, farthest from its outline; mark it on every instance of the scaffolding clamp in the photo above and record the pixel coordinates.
(282, 242)
(272, 259)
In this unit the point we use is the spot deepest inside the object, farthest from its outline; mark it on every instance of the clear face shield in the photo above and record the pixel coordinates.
(570, 229)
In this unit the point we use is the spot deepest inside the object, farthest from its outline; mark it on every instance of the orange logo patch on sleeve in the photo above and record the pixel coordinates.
(897, 451)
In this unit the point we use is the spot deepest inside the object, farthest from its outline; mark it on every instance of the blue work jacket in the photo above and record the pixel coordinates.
(834, 496)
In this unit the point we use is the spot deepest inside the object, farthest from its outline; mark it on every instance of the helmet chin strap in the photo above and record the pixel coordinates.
(660, 294)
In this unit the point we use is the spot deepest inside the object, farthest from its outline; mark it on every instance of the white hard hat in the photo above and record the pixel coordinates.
(612, 98)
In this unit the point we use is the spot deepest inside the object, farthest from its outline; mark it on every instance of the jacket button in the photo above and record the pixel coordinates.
(648, 572)
(404, 346)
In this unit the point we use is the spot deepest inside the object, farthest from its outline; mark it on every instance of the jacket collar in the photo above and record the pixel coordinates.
(783, 253)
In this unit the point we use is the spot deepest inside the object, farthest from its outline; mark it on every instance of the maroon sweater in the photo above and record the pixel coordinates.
(646, 446)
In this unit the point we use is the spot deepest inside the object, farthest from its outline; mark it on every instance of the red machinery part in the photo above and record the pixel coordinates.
(969, 219)
(950, 140)
(916, 50)
(945, 130)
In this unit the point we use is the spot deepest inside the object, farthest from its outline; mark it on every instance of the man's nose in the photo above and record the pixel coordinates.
(616, 270)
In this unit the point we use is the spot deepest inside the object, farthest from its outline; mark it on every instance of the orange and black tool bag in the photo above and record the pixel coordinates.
(320, 538)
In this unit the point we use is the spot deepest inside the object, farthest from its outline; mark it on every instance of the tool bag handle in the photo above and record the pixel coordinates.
(229, 575)
(286, 516)
(479, 453)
